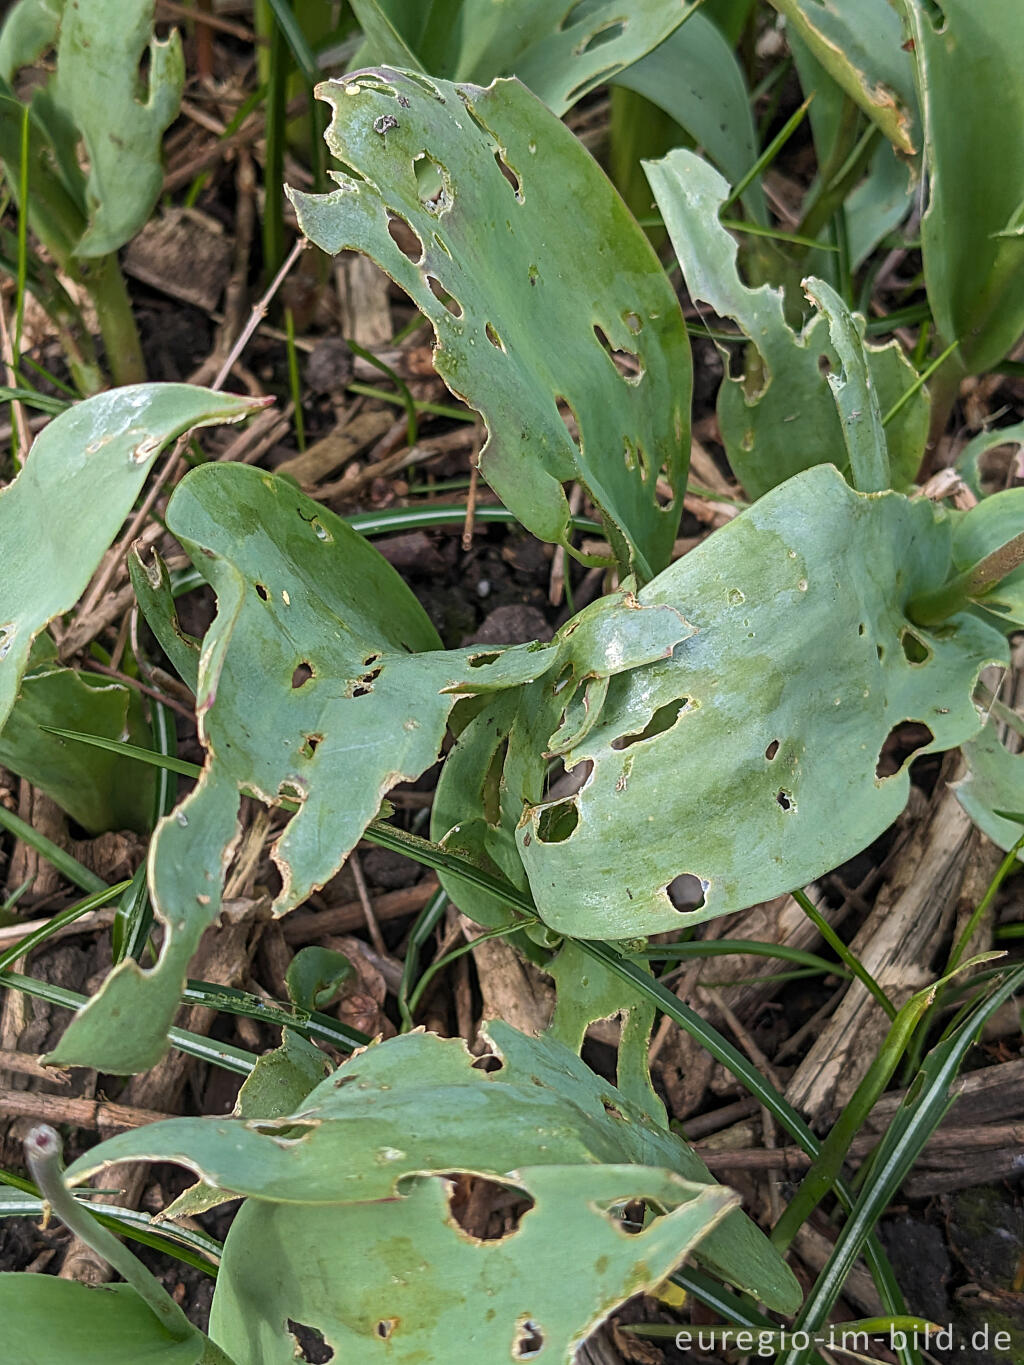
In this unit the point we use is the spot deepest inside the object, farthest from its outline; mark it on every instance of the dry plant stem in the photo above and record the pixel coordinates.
(78, 1113)
(307, 926)
(470, 522)
(376, 938)
(174, 463)
(94, 666)
(203, 19)
(896, 944)
(17, 407)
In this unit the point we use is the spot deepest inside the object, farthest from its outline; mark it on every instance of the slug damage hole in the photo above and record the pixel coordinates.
(556, 823)
(385, 1327)
(901, 744)
(441, 294)
(628, 363)
(262, 592)
(364, 685)
(572, 426)
(915, 650)
(405, 237)
(309, 745)
(303, 673)
(485, 1210)
(529, 1340)
(493, 338)
(784, 800)
(600, 37)
(510, 175)
(433, 184)
(772, 750)
(310, 1344)
(663, 719)
(687, 892)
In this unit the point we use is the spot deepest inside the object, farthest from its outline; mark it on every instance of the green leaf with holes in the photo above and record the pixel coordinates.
(99, 790)
(969, 56)
(453, 190)
(417, 1106)
(561, 49)
(84, 471)
(321, 681)
(696, 78)
(748, 758)
(122, 118)
(31, 26)
(861, 47)
(779, 417)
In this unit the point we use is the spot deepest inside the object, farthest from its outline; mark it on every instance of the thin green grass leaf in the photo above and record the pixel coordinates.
(192, 1044)
(842, 951)
(61, 859)
(928, 1100)
(68, 916)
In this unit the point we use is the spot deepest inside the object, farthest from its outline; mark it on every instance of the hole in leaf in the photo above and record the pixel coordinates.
(633, 321)
(309, 745)
(785, 800)
(611, 1109)
(567, 415)
(303, 673)
(880, 651)
(628, 364)
(529, 1341)
(915, 651)
(772, 750)
(534, 274)
(489, 1063)
(364, 686)
(824, 365)
(510, 175)
(484, 1209)
(310, 1344)
(482, 660)
(491, 789)
(385, 1327)
(441, 294)
(901, 743)
(405, 237)
(433, 185)
(262, 592)
(608, 34)
(687, 892)
(575, 12)
(556, 823)
(664, 494)
(370, 660)
(862, 629)
(493, 338)
(663, 719)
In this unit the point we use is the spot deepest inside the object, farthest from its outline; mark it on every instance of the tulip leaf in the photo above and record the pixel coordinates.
(749, 758)
(779, 417)
(322, 682)
(84, 471)
(452, 190)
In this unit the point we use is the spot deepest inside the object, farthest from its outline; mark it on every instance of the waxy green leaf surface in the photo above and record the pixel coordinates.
(471, 182)
(84, 471)
(416, 1105)
(321, 681)
(748, 758)
(779, 418)
(969, 56)
(121, 119)
(561, 49)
